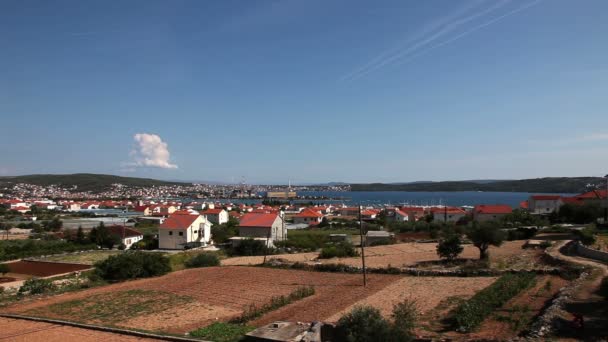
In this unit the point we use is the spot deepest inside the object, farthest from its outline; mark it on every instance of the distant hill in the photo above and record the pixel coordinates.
(547, 185)
(85, 181)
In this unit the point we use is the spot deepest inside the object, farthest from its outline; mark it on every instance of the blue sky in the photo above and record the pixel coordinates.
(307, 91)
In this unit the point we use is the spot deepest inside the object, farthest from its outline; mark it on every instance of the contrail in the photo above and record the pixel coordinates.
(412, 51)
(428, 29)
(479, 27)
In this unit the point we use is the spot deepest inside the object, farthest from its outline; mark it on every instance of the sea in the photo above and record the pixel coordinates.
(380, 198)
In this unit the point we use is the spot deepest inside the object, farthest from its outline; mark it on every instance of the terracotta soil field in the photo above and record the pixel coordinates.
(211, 294)
(43, 269)
(23, 330)
(398, 255)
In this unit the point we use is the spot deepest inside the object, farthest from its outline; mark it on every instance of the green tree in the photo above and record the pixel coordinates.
(131, 265)
(485, 234)
(449, 247)
(80, 237)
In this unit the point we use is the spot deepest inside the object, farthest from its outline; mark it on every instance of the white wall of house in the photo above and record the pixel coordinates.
(128, 241)
(452, 217)
(487, 217)
(543, 206)
(198, 231)
(276, 230)
(306, 220)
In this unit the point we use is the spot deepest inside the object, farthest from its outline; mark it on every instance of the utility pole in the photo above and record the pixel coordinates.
(362, 246)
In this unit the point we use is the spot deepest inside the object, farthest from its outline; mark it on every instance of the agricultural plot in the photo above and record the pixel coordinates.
(408, 254)
(199, 297)
(43, 269)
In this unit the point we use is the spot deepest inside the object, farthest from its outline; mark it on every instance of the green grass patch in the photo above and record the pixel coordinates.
(88, 258)
(470, 314)
(222, 332)
(112, 308)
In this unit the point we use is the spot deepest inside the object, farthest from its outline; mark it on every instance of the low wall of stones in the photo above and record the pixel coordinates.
(591, 253)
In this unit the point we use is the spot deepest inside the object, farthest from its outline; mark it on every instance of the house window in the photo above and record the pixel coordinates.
(170, 233)
(196, 232)
(181, 233)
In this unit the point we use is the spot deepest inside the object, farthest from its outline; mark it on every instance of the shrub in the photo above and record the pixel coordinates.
(250, 247)
(450, 247)
(203, 260)
(470, 314)
(4, 269)
(131, 265)
(339, 250)
(18, 249)
(362, 324)
(36, 286)
(587, 236)
(222, 332)
(405, 316)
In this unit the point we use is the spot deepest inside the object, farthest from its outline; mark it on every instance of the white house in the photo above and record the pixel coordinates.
(217, 216)
(308, 216)
(184, 229)
(544, 204)
(128, 236)
(267, 226)
(448, 214)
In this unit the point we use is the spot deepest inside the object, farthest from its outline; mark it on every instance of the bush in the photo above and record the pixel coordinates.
(203, 260)
(470, 314)
(36, 286)
(131, 265)
(4, 269)
(450, 247)
(250, 247)
(362, 324)
(405, 316)
(587, 236)
(222, 332)
(339, 250)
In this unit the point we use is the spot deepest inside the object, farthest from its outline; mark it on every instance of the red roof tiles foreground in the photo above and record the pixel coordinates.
(493, 209)
(258, 220)
(179, 220)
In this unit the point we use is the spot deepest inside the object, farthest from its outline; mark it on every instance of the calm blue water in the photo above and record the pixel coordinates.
(454, 198)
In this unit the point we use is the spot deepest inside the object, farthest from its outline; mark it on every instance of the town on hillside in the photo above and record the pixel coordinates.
(50, 245)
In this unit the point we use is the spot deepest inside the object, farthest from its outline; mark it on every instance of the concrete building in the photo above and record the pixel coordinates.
(544, 204)
(447, 214)
(308, 216)
(494, 212)
(262, 225)
(184, 229)
(216, 216)
(128, 236)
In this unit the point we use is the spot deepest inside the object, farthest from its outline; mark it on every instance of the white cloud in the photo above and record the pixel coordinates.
(151, 151)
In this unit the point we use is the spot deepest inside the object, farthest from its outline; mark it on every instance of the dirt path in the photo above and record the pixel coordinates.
(586, 301)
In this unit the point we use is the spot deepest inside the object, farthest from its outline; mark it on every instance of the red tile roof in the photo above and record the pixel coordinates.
(450, 210)
(258, 220)
(212, 211)
(179, 220)
(523, 204)
(593, 194)
(493, 209)
(573, 200)
(308, 213)
(128, 232)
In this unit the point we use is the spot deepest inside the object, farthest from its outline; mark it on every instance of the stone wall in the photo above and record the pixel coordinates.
(591, 253)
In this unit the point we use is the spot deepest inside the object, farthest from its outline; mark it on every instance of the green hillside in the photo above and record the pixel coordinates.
(548, 185)
(85, 181)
